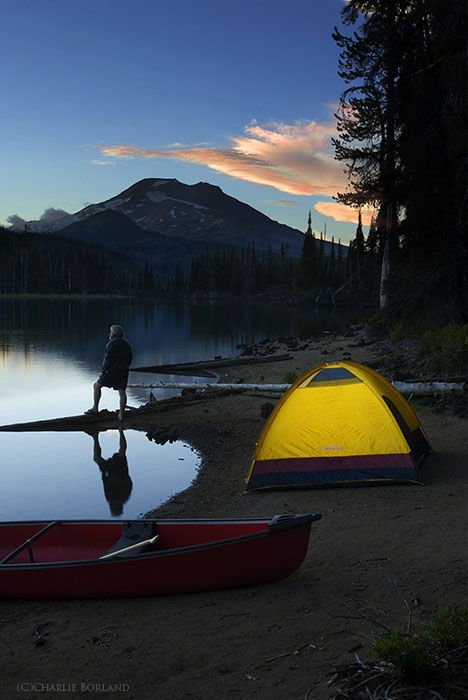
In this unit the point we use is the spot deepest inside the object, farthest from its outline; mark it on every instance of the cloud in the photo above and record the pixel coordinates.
(283, 202)
(16, 220)
(340, 212)
(293, 158)
(52, 214)
(49, 216)
(96, 161)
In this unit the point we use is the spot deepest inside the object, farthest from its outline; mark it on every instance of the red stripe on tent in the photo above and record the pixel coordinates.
(316, 464)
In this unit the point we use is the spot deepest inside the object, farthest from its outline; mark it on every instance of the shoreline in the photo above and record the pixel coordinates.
(374, 547)
(290, 298)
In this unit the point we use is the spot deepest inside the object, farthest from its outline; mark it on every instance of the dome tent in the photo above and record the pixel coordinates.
(339, 423)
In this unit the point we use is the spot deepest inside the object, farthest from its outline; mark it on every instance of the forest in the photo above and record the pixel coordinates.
(402, 137)
(32, 263)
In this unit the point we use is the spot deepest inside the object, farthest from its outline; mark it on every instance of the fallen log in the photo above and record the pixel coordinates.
(105, 419)
(425, 388)
(415, 388)
(205, 368)
(209, 385)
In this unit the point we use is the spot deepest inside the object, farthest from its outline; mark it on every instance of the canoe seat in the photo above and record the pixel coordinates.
(133, 531)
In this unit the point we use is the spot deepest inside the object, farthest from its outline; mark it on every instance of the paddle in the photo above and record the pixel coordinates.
(152, 540)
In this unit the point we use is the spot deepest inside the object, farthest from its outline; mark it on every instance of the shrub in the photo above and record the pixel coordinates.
(449, 629)
(398, 332)
(447, 348)
(417, 658)
(411, 658)
(378, 321)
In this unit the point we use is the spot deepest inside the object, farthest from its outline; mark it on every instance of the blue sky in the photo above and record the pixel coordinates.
(238, 93)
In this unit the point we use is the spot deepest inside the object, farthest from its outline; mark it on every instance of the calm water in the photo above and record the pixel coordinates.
(50, 355)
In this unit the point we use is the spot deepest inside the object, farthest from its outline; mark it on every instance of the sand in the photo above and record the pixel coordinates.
(381, 558)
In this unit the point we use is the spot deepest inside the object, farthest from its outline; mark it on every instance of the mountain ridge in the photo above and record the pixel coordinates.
(198, 212)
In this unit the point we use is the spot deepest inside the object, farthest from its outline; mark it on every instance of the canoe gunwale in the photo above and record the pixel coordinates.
(272, 528)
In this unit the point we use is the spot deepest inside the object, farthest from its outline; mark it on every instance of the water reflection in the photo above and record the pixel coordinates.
(54, 475)
(114, 470)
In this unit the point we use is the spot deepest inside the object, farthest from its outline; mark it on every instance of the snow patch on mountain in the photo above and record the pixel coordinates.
(158, 197)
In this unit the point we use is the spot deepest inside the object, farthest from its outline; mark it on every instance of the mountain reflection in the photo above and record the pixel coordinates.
(114, 471)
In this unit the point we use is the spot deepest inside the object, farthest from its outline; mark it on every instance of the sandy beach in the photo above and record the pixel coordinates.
(381, 558)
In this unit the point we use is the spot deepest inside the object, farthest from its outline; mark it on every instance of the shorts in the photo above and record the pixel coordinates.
(116, 379)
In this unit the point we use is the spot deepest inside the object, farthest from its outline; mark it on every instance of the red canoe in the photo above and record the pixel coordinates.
(108, 558)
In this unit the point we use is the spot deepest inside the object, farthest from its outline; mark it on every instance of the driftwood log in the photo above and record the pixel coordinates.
(206, 368)
(105, 419)
(415, 388)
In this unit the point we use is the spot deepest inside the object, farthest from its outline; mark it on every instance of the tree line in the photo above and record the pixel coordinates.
(248, 271)
(48, 264)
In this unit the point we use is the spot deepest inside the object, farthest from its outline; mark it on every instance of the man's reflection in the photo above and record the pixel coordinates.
(114, 470)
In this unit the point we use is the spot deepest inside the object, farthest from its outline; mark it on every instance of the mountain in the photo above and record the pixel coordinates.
(117, 232)
(201, 212)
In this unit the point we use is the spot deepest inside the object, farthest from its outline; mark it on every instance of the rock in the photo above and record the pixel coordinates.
(248, 350)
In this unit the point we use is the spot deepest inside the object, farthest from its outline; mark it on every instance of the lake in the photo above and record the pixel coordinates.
(50, 355)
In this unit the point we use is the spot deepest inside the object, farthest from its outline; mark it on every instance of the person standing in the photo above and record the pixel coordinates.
(114, 373)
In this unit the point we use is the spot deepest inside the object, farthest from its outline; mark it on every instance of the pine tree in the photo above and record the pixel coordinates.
(339, 263)
(359, 250)
(322, 260)
(367, 115)
(332, 264)
(308, 260)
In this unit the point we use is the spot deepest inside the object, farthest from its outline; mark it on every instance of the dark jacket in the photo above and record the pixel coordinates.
(118, 355)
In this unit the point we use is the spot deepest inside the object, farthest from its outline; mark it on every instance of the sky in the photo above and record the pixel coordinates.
(238, 93)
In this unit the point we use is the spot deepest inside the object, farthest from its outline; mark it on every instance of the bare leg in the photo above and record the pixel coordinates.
(123, 403)
(97, 396)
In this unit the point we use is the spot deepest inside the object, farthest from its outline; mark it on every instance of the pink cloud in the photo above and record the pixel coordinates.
(293, 158)
(340, 212)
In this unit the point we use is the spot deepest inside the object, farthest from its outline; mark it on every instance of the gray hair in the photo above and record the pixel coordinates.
(117, 331)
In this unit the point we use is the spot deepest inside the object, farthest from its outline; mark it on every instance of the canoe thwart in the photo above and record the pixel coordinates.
(27, 543)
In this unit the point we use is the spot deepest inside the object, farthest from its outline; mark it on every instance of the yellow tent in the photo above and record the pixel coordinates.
(339, 423)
